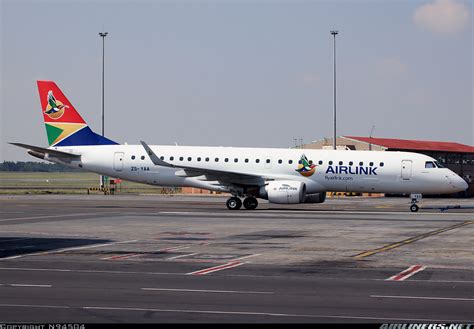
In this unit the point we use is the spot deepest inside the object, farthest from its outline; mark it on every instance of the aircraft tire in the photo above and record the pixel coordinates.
(234, 203)
(250, 203)
(414, 208)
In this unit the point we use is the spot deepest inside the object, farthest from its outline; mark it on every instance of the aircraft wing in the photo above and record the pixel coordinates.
(44, 151)
(207, 174)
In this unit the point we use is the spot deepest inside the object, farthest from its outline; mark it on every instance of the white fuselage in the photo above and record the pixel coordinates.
(335, 171)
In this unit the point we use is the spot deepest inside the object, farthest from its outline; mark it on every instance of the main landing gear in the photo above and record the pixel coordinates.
(234, 203)
(415, 198)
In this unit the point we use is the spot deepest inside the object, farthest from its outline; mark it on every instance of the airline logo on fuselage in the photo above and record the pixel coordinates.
(350, 170)
(306, 167)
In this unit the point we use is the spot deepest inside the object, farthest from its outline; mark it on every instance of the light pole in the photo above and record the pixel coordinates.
(103, 35)
(334, 33)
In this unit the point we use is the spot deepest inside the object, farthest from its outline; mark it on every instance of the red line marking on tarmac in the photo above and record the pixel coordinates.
(216, 268)
(118, 257)
(412, 270)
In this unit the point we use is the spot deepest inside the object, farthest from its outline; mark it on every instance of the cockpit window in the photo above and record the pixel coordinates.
(439, 165)
(430, 164)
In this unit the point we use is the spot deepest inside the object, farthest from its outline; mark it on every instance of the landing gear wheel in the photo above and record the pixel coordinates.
(414, 208)
(250, 203)
(234, 203)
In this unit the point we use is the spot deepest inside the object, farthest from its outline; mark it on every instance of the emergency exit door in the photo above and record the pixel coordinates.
(118, 161)
(406, 169)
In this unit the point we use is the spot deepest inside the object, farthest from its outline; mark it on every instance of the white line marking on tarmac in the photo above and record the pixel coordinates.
(105, 308)
(56, 216)
(131, 255)
(424, 297)
(181, 256)
(67, 249)
(245, 257)
(211, 291)
(409, 272)
(216, 268)
(26, 285)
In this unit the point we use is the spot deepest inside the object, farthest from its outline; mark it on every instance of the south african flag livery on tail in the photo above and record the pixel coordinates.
(64, 126)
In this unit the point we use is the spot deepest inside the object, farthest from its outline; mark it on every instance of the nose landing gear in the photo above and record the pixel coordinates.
(415, 198)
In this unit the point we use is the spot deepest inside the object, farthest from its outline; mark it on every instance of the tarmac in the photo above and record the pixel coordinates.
(138, 259)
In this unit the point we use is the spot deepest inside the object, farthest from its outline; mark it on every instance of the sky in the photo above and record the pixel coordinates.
(240, 73)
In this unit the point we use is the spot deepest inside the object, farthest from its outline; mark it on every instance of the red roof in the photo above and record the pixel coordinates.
(405, 144)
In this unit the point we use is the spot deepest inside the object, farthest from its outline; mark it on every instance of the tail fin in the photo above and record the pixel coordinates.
(64, 125)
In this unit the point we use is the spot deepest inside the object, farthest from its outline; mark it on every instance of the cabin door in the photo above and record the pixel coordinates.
(118, 161)
(406, 169)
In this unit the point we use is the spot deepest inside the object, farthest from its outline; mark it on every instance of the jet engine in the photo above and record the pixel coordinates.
(283, 192)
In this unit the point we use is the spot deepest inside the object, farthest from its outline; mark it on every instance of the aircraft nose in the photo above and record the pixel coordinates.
(460, 183)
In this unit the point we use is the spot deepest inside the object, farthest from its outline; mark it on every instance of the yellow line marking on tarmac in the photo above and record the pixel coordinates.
(410, 240)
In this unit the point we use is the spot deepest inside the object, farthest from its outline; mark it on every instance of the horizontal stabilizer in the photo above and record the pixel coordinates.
(56, 153)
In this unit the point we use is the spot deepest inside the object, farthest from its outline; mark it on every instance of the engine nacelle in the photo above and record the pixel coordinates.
(315, 198)
(284, 192)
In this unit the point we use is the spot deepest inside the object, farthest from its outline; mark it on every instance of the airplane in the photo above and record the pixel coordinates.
(281, 176)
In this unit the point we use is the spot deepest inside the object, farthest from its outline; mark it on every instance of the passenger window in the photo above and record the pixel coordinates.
(371, 164)
(143, 157)
(133, 157)
(330, 163)
(171, 158)
(181, 158)
(257, 160)
(320, 162)
(246, 160)
(290, 161)
(217, 159)
(268, 161)
(199, 159)
(310, 162)
(381, 164)
(341, 163)
(162, 157)
(226, 159)
(361, 163)
(207, 159)
(189, 158)
(429, 164)
(299, 162)
(351, 163)
(236, 160)
(280, 161)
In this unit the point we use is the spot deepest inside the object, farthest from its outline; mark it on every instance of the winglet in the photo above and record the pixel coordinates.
(154, 158)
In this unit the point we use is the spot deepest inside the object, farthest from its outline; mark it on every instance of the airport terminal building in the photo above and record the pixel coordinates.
(457, 157)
